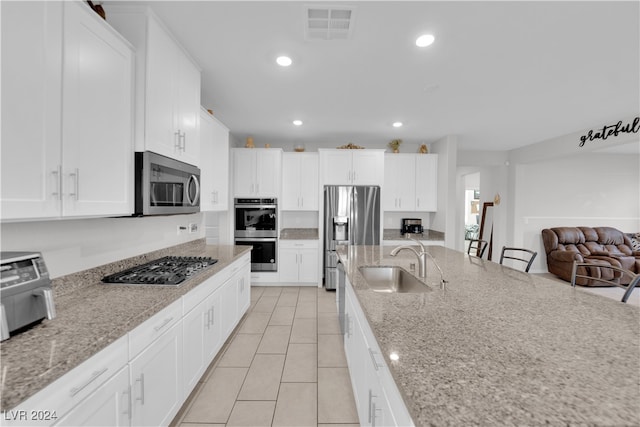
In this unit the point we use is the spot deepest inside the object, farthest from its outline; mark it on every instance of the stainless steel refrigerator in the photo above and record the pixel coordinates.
(351, 217)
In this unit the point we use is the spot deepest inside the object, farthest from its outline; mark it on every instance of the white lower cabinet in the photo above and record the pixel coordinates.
(377, 397)
(298, 261)
(143, 378)
(236, 296)
(156, 380)
(109, 405)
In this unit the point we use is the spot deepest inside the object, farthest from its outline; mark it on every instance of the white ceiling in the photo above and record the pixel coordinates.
(500, 75)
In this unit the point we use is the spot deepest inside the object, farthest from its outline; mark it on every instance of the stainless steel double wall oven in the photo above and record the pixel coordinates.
(256, 224)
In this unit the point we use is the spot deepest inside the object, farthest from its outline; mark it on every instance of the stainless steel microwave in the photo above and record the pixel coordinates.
(165, 186)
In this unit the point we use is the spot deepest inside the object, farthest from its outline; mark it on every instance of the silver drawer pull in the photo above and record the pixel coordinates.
(94, 376)
(375, 362)
(166, 321)
(141, 381)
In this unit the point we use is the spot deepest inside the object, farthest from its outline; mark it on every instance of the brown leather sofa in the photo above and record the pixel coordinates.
(593, 245)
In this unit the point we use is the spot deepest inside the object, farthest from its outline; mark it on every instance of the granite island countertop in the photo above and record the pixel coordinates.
(90, 316)
(496, 346)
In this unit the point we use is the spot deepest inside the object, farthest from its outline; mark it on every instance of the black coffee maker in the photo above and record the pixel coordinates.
(412, 226)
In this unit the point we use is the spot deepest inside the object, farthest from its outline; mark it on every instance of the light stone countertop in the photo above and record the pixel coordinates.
(497, 346)
(90, 316)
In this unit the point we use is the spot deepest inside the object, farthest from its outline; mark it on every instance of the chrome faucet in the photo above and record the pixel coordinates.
(422, 258)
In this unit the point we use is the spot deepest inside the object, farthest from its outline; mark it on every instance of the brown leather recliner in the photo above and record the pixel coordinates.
(593, 245)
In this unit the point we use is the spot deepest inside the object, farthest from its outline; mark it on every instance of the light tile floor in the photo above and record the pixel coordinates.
(284, 366)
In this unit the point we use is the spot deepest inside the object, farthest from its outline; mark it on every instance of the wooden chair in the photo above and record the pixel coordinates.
(519, 254)
(618, 272)
(479, 245)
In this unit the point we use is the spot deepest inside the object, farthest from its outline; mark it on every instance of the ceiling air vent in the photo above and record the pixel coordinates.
(329, 23)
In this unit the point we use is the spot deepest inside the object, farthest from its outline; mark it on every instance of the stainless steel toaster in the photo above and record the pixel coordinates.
(26, 296)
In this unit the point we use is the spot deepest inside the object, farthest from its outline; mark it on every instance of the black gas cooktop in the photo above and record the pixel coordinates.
(167, 271)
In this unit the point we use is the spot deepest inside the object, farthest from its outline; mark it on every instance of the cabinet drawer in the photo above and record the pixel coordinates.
(152, 328)
(202, 291)
(298, 244)
(66, 392)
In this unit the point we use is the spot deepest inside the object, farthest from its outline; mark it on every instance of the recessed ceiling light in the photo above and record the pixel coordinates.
(297, 122)
(397, 124)
(424, 40)
(284, 61)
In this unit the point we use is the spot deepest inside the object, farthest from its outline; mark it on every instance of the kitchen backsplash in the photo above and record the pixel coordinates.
(69, 246)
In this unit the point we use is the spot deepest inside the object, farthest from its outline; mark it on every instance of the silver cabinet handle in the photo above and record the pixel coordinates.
(208, 322)
(127, 411)
(93, 377)
(141, 381)
(166, 321)
(58, 178)
(213, 314)
(375, 362)
(184, 142)
(76, 185)
(176, 140)
(347, 324)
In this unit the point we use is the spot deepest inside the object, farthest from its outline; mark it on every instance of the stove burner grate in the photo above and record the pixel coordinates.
(167, 271)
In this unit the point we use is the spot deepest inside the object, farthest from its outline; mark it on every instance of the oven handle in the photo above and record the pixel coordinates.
(257, 206)
(256, 239)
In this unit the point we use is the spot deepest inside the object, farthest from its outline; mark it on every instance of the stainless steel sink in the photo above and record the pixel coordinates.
(392, 279)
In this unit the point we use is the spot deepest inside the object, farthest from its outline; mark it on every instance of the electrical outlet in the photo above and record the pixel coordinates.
(181, 229)
(193, 227)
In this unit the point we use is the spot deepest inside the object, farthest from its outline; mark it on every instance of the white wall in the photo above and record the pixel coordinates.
(557, 182)
(69, 246)
(444, 219)
(591, 189)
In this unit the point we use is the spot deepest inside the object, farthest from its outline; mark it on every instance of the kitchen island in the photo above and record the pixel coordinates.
(495, 346)
(91, 316)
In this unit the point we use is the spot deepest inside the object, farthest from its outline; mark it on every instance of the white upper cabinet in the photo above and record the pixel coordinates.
(214, 164)
(410, 183)
(256, 172)
(299, 182)
(67, 123)
(399, 191)
(168, 86)
(351, 167)
(427, 182)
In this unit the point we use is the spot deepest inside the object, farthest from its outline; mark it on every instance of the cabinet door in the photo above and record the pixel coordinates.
(244, 172)
(368, 167)
(427, 182)
(308, 265)
(97, 116)
(188, 109)
(160, 105)
(194, 326)
(229, 306)
(109, 405)
(291, 182)
(354, 347)
(156, 380)
(214, 163)
(399, 182)
(288, 265)
(308, 179)
(244, 289)
(335, 167)
(268, 170)
(213, 331)
(31, 109)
